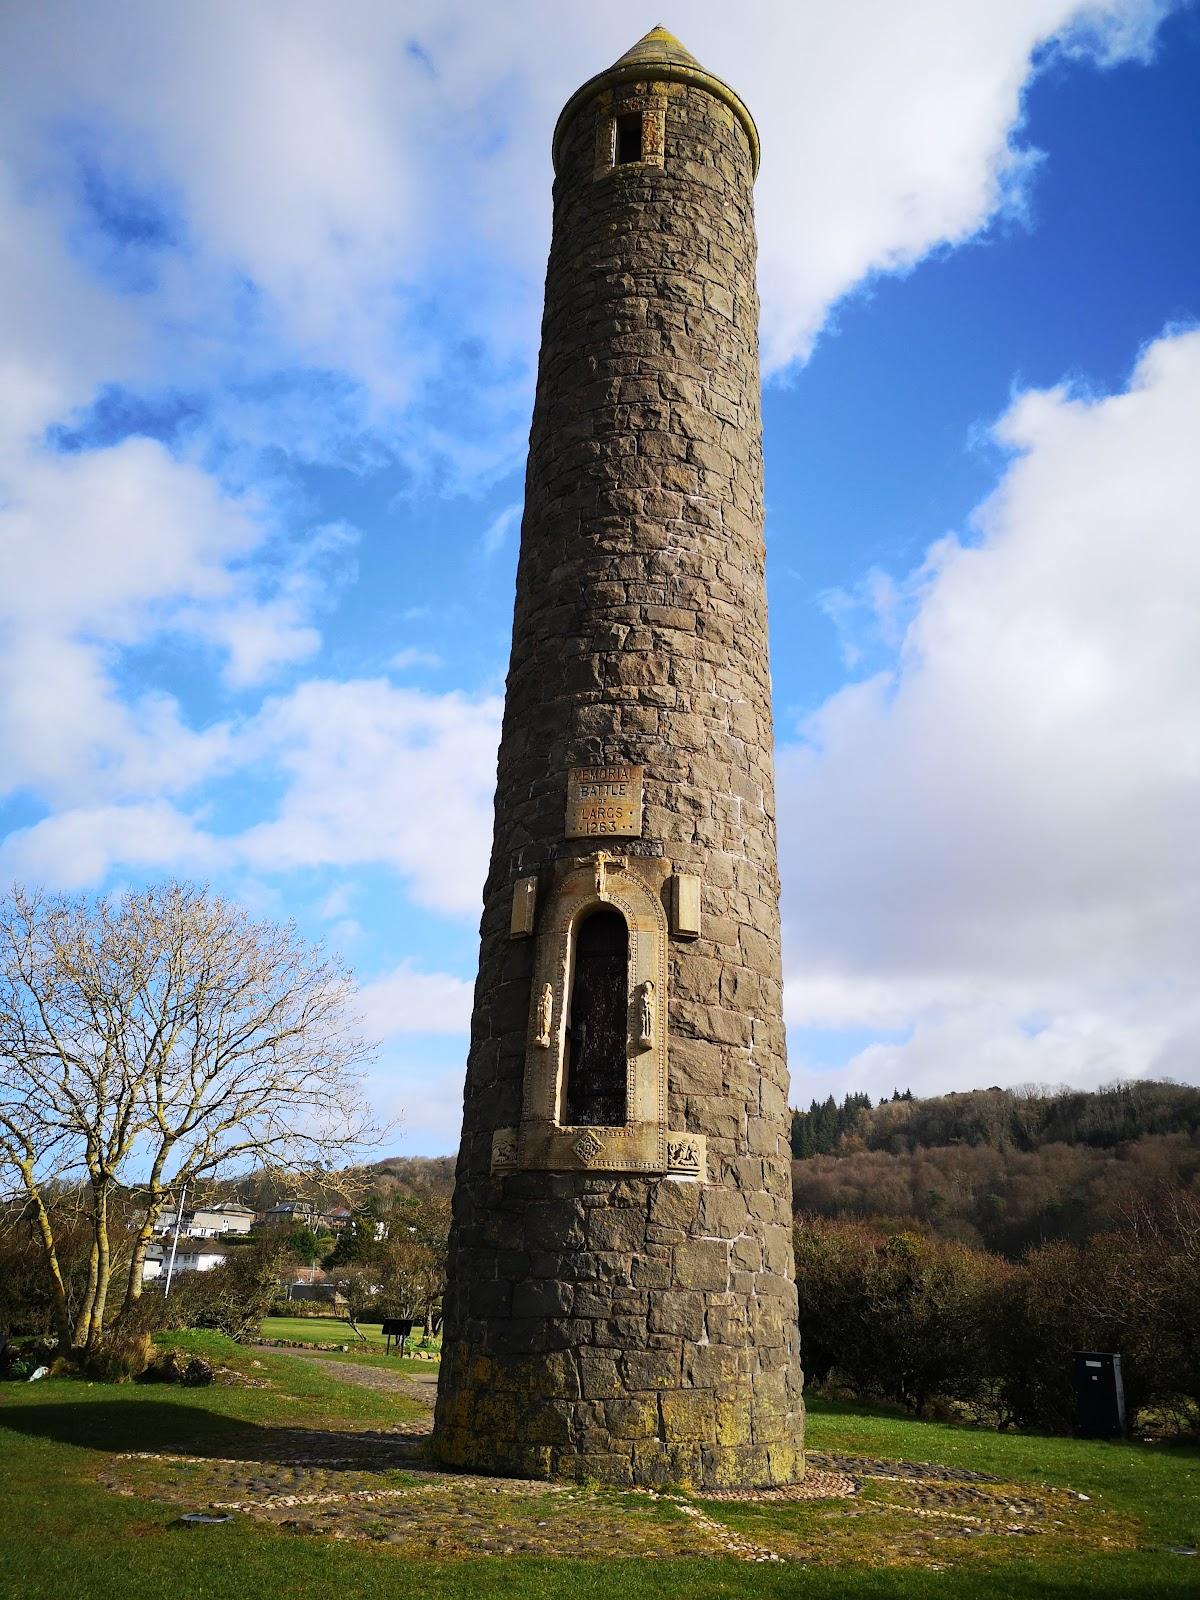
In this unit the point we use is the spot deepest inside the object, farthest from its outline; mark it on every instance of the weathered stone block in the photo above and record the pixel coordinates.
(542, 1297)
(633, 1418)
(617, 1230)
(599, 1379)
(651, 1369)
(688, 1416)
(652, 1273)
(723, 1212)
(678, 1312)
(702, 1264)
(674, 1205)
(709, 1366)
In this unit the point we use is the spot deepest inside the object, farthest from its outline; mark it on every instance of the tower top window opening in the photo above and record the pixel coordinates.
(629, 138)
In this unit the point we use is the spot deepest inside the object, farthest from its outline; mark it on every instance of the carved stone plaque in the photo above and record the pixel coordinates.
(604, 800)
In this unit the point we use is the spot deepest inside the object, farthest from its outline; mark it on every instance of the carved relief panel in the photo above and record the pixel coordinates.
(594, 1091)
(572, 1025)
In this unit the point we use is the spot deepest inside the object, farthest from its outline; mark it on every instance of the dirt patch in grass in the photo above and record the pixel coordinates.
(460, 1518)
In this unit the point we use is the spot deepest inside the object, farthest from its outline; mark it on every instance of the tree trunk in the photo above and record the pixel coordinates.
(134, 1283)
(83, 1316)
(103, 1271)
(62, 1318)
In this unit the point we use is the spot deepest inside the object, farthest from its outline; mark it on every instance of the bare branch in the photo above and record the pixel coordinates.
(160, 1039)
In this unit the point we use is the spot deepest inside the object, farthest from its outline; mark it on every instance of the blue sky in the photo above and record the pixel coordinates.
(268, 324)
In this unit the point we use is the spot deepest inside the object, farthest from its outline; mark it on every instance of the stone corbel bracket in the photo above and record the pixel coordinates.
(524, 908)
(685, 905)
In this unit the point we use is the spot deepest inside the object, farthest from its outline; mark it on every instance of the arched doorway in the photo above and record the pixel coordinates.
(598, 1023)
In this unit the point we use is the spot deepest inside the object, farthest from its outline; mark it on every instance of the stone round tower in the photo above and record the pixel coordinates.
(621, 1302)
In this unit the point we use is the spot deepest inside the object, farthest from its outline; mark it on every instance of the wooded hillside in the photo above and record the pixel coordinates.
(1002, 1168)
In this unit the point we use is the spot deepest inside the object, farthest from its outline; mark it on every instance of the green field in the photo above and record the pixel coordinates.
(329, 1330)
(64, 1535)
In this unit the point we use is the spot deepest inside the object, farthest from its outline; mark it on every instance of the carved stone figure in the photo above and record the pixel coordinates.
(545, 1017)
(646, 1015)
(504, 1150)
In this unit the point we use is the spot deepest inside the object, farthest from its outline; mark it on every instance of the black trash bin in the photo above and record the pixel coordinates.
(1099, 1394)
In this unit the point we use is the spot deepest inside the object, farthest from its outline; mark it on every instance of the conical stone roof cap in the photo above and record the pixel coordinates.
(660, 47)
(658, 56)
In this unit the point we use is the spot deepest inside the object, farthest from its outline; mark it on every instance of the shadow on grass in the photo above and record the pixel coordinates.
(137, 1425)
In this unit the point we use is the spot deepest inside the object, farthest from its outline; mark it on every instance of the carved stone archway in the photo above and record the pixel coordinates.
(543, 1139)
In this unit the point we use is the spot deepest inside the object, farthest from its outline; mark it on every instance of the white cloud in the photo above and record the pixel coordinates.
(92, 539)
(988, 1044)
(424, 1101)
(408, 1000)
(413, 657)
(77, 848)
(97, 551)
(498, 529)
(380, 774)
(370, 773)
(336, 903)
(357, 207)
(915, 111)
(115, 549)
(995, 842)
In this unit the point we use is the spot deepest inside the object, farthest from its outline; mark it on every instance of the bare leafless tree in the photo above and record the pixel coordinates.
(156, 1040)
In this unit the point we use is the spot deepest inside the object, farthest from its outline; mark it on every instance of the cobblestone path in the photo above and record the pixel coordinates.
(379, 1486)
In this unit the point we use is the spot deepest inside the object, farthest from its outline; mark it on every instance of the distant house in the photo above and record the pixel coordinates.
(339, 1217)
(188, 1258)
(210, 1222)
(321, 1293)
(294, 1214)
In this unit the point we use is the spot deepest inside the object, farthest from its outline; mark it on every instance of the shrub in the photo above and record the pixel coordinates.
(921, 1321)
(1135, 1291)
(168, 1366)
(120, 1355)
(233, 1299)
(901, 1316)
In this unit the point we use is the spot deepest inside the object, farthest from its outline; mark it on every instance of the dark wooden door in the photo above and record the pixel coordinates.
(598, 1034)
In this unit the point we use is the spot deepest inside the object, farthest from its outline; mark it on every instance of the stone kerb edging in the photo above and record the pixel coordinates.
(346, 1349)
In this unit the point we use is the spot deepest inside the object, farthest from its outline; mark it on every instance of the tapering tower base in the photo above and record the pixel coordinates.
(621, 1303)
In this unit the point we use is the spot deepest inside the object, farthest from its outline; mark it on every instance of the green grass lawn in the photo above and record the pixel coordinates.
(64, 1537)
(329, 1330)
(361, 1355)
